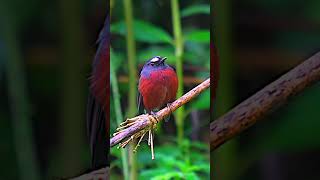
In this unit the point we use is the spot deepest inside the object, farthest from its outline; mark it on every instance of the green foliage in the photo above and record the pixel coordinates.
(190, 162)
(195, 10)
(143, 32)
(166, 51)
(174, 163)
(117, 59)
(198, 36)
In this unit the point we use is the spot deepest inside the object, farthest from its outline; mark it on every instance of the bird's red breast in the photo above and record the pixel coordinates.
(158, 87)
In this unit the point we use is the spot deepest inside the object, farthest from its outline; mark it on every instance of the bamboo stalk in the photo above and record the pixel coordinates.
(178, 43)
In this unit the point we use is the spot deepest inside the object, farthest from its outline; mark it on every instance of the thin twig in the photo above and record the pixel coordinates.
(272, 96)
(145, 120)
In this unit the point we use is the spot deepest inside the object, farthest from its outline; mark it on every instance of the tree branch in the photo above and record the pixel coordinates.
(145, 120)
(275, 94)
(101, 174)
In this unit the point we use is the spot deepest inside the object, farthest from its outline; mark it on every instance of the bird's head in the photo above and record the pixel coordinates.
(156, 61)
(154, 64)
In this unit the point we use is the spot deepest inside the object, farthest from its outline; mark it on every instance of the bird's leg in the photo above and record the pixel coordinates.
(154, 120)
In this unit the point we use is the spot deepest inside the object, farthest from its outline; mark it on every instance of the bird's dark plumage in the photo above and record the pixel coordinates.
(98, 102)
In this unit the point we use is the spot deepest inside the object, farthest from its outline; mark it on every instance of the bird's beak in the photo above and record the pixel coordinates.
(163, 59)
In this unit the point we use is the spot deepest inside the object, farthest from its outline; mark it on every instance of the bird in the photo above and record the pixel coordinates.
(158, 84)
(98, 101)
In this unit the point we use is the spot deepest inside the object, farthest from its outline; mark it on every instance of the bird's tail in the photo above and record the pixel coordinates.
(99, 146)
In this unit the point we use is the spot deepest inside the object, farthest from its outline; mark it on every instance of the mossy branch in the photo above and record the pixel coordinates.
(272, 96)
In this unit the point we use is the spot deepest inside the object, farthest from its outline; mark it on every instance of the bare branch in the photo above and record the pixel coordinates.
(277, 93)
(145, 120)
(102, 174)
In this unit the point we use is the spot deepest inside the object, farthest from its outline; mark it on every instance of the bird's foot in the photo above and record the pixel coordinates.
(154, 118)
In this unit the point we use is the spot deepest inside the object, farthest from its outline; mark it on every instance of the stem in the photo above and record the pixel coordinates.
(19, 103)
(178, 42)
(225, 160)
(112, 4)
(131, 52)
(119, 117)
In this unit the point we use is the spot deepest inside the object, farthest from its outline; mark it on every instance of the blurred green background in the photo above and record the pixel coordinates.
(178, 30)
(257, 42)
(46, 50)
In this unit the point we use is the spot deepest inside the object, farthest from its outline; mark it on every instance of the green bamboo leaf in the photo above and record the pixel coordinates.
(199, 36)
(195, 9)
(143, 32)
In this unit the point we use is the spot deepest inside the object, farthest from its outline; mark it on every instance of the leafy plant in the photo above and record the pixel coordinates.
(174, 163)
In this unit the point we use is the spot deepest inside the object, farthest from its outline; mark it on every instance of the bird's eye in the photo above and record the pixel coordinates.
(152, 64)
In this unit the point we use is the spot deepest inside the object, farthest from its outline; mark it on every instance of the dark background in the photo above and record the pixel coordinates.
(258, 41)
(46, 49)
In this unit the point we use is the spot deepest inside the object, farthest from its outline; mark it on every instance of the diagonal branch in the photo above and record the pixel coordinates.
(277, 93)
(145, 120)
(101, 174)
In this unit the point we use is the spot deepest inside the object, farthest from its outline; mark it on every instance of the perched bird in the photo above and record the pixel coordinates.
(98, 102)
(158, 84)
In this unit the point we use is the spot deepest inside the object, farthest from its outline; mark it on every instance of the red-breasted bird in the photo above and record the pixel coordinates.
(158, 84)
(98, 102)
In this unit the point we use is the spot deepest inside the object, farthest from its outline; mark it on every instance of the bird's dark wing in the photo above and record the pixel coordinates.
(98, 106)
